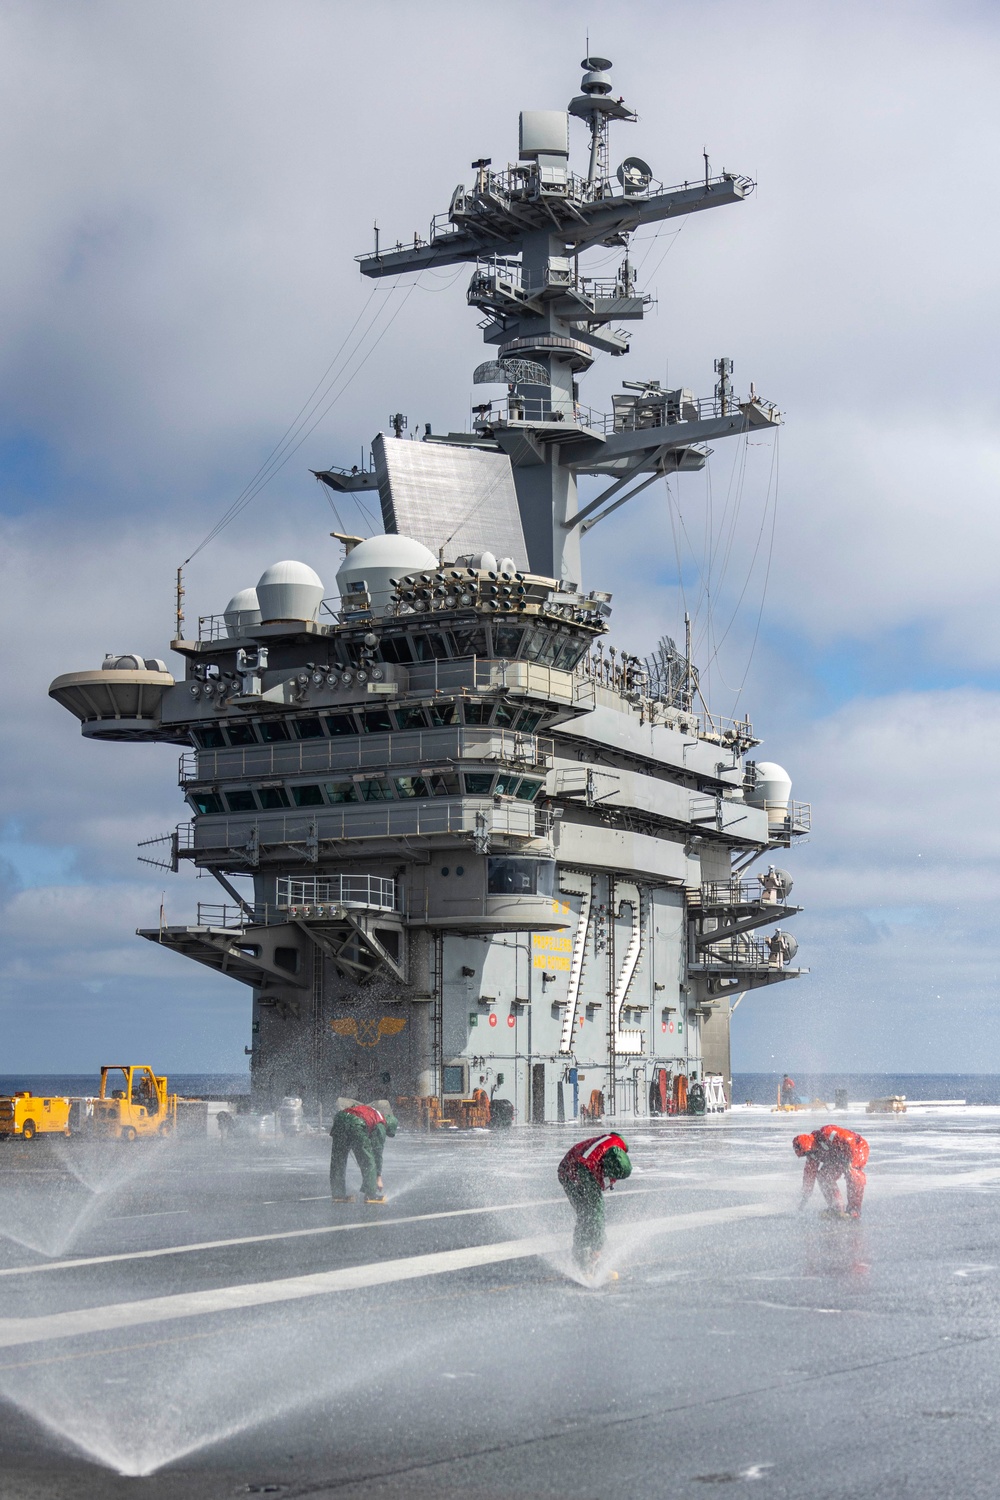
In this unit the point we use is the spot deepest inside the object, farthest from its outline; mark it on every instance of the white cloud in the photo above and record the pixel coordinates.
(185, 188)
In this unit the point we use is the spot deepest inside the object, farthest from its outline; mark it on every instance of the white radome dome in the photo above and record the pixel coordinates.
(289, 591)
(772, 790)
(242, 612)
(379, 559)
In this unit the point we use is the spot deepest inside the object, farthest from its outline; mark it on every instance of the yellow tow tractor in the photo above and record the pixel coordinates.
(28, 1115)
(133, 1102)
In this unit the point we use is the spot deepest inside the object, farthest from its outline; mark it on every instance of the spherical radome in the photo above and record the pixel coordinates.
(289, 590)
(378, 560)
(242, 612)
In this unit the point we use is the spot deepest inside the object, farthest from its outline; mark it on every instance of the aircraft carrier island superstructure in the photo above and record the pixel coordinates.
(489, 851)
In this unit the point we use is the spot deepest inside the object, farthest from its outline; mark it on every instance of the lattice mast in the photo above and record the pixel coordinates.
(525, 227)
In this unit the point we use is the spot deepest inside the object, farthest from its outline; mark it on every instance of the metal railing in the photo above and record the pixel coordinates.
(404, 748)
(785, 817)
(212, 628)
(644, 415)
(375, 892)
(241, 839)
(755, 891)
(741, 953)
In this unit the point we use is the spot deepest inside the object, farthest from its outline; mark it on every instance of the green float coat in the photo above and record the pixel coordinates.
(350, 1135)
(586, 1193)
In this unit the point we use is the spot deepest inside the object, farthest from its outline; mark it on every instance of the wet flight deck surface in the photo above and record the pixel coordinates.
(202, 1316)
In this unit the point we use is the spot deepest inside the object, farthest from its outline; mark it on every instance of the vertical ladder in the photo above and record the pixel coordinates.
(628, 1041)
(576, 885)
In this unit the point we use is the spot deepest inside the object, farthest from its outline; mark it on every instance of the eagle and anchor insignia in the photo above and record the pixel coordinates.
(368, 1033)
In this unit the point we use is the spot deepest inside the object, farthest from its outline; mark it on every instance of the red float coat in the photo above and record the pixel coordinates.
(589, 1155)
(837, 1153)
(371, 1117)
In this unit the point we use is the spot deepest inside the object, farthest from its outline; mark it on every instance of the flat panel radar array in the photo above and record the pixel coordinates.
(459, 500)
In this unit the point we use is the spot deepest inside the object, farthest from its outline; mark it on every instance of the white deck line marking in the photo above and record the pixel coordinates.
(376, 1222)
(160, 1213)
(86, 1320)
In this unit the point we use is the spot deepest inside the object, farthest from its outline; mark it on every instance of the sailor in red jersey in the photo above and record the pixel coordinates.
(360, 1129)
(831, 1153)
(584, 1172)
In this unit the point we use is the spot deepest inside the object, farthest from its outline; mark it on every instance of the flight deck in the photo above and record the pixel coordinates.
(184, 1318)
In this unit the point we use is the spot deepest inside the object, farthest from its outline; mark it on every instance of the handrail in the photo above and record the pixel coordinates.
(473, 818)
(403, 748)
(377, 892)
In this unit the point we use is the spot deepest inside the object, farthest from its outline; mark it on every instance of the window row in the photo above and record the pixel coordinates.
(382, 720)
(547, 646)
(368, 789)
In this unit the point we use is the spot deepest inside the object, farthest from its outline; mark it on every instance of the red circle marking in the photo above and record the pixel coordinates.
(511, 1020)
(581, 1020)
(493, 1020)
(663, 1025)
(671, 1026)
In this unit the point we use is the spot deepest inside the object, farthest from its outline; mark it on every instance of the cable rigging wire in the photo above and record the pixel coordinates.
(297, 432)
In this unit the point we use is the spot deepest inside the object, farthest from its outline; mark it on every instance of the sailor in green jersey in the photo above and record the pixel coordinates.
(360, 1130)
(584, 1172)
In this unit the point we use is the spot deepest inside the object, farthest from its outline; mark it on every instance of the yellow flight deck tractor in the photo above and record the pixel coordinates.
(133, 1102)
(28, 1115)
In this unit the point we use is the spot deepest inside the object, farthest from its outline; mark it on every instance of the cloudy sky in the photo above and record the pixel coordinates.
(184, 188)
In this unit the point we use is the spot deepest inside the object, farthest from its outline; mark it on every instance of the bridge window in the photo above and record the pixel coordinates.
(411, 718)
(206, 802)
(505, 716)
(412, 786)
(272, 730)
(209, 738)
(377, 721)
(443, 713)
(520, 877)
(341, 791)
(528, 722)
(430, 647)
(570, 655)
(395, 648)
(307, 796)
(507, 640)
(477, 784)
(242, 801)
(507, 785)
(470, 642)
(241, 734)
(478, 713)
(307, 729)
(337, 724)
(375, 790)
(272, 796)
(528, 790)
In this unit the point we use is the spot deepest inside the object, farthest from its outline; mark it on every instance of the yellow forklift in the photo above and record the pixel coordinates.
(133, 1101)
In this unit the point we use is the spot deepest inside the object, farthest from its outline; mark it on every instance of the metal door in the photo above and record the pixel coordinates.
(538, 1093)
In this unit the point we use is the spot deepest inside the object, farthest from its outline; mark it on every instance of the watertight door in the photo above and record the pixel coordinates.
(537, 1093)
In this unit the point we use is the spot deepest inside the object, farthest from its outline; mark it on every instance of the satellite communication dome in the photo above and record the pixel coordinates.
(374, 563)
(289, 591)
(772, 790)
(242, 612)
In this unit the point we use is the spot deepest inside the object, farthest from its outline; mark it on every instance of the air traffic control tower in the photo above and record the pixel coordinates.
(465, 849)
